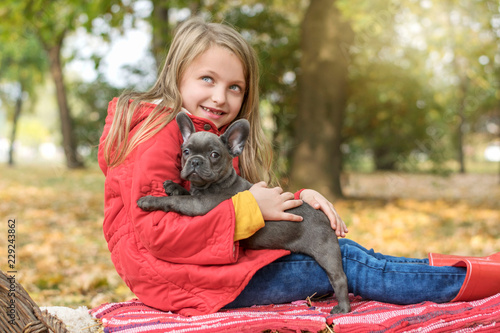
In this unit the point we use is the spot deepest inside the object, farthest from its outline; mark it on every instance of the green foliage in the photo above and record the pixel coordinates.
(22, 69)
(419, 69)
(392, 113)
(52, 20)
(276, 41)
(90, 103)
(272, 28)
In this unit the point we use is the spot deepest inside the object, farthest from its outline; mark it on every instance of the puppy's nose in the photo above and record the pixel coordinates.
(196, 162)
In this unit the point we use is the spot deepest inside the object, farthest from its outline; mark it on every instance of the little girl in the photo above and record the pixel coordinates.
(194, 265)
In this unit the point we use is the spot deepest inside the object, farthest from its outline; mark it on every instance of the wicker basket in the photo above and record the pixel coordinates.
(20, 314)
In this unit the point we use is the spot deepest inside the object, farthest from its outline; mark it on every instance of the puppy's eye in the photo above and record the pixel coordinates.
(186, 152)
(214, 154)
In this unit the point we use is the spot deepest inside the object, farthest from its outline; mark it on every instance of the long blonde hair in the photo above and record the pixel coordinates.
(191, 39)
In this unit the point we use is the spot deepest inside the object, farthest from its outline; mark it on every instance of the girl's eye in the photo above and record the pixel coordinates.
(236, 87)
(207, 79)
(214, 154)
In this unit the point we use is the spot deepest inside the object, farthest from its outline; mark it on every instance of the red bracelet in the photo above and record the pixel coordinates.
(297, 194)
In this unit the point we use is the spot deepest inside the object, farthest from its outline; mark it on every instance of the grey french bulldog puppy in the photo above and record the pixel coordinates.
(207, 164)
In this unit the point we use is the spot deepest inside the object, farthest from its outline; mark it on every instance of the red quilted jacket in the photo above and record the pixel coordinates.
(188, 265)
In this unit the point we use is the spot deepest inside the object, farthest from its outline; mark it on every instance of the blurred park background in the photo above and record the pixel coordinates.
(390, 108)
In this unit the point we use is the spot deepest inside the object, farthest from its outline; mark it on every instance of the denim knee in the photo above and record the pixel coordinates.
(287, 279)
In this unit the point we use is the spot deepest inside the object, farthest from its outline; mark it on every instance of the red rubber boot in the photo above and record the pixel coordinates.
(482, 278)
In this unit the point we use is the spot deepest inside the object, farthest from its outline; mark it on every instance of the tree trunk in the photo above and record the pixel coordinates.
(15, 121)
(69, 145)
(460, 129)
(383, 159)
(460, 138)
(161, 31)
(460, 71)
(499, 161)
(317, 160)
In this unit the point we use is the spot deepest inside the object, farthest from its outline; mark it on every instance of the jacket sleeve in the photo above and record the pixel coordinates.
(297, 194)
(248, 216)
(200, 240)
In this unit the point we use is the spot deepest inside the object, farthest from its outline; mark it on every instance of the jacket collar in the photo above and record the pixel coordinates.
(203, 124)
(200, 124)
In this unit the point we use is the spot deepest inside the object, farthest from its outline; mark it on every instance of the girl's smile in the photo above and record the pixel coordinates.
(213, 86)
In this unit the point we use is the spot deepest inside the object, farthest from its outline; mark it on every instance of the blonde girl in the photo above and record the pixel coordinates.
(188, 43)
(194, 265)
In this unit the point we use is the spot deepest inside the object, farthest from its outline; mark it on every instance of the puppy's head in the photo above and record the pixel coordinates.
(207, 158)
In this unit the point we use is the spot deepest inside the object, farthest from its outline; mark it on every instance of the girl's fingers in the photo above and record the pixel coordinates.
(289, 204)
(287, 196)
(261, 184)
(278, 189)
(292, 217)
(336, 222)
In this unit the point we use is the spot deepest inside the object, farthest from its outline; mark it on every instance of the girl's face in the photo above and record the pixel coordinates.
(213, 86)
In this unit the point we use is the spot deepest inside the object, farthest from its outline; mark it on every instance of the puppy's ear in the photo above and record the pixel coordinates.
(236, 136)
(185, 125)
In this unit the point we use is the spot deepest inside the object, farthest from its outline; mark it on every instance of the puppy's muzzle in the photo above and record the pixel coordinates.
(196, 163)
(197, 170)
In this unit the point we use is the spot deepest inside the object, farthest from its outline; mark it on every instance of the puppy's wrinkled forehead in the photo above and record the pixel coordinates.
(201, 142)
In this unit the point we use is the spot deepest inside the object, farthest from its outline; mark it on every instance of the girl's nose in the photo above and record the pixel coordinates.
(219, 96)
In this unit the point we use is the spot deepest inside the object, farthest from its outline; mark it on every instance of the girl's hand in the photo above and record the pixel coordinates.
(317, 201)
(273, 202)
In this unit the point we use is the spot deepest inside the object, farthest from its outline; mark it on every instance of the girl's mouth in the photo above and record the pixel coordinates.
(212, 111)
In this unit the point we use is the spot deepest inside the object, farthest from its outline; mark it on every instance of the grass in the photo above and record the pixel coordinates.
(62, 258)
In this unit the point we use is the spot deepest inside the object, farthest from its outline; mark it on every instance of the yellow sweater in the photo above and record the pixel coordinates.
(248, 216)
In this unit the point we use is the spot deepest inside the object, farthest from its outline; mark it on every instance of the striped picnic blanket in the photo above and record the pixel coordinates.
(366, 316)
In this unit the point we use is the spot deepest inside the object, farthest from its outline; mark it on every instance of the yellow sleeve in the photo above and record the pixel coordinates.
(248, 216)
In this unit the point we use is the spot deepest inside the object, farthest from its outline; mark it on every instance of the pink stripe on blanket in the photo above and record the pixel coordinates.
(366, 316)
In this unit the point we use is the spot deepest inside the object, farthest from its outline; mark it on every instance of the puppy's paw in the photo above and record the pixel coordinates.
(147, 203)
(172, 188)
(341, 308)
(169, 186)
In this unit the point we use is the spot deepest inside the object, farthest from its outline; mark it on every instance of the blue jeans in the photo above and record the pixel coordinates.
(371, 275)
